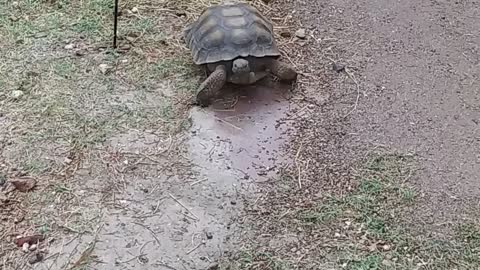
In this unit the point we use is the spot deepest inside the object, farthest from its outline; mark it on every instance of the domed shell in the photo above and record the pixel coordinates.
(225, 32)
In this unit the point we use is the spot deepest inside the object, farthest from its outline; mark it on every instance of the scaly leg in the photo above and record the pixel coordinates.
(282, 70)
(211, 87)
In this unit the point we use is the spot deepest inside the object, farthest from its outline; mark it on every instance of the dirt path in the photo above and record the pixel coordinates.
(419, 70)
(410, 87)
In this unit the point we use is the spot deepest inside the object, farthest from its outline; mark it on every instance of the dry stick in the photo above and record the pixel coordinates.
(181, 204)
(195, 248)
(358, 91)
(228, 123)
(199, 181)
(150, 230)
(87, 252)
(298, 166)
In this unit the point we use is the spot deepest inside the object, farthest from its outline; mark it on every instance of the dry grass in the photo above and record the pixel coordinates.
(58, 108)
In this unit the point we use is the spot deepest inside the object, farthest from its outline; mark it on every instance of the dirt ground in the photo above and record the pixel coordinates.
(369, 161)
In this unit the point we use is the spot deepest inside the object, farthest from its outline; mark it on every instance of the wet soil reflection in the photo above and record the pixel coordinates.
(240, 132)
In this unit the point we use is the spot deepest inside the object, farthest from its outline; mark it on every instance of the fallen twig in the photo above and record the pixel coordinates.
(196, 247)
(299, 179)
(199, 181)
(150, 230)
(181, 204)
(358, 91)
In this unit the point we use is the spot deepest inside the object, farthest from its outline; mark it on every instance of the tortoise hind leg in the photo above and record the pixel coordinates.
(211, 87)
(282, 70)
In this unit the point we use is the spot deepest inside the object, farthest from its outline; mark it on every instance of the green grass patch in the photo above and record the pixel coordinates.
(374, 208)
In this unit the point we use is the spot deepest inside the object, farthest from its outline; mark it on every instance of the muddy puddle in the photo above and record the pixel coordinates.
(240, 133)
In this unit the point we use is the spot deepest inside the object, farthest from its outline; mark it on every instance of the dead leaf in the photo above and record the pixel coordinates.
(32, 239)
(24, 184)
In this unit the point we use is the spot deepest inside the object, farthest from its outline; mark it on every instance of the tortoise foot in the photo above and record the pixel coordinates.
(210, 88)
(282, 70)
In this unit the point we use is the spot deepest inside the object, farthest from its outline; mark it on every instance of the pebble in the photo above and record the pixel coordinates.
(70, 46)
(25, 247)
(386, 247)
(338, 67)
(33, 247)
(301, 33)
(17, 94)
(209, 235)
(104, 68)
(135, 10)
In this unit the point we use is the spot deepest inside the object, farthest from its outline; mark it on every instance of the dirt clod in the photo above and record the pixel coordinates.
(24, 184)
(35, 258)
(30, 240)
(301, 33)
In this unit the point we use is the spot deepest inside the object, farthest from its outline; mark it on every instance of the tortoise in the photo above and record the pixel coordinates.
(235, 43)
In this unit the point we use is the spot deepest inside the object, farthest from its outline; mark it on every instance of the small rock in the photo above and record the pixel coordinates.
(209, 235)
(80, 52)
(286, 34)
(70, 46)
(33, 247)
(338, 67)
(387, 247)
(214, 266)
(301, 33)
(25, 247)
(14, 19)
(17, 94)
(180, 13)
(134, 10)
(104, 68)
(35, 258)
(3, 179)
(24, 184)
(233, 202)
(14, 4)
(67, 160)
(387, 263)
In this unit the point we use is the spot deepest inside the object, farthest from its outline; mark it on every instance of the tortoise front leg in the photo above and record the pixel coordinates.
(211, 87)
(283, 71)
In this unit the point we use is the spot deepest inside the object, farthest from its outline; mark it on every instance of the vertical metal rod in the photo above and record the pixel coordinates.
(115, 25)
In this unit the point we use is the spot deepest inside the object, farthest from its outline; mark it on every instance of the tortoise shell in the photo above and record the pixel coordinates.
(225, 32)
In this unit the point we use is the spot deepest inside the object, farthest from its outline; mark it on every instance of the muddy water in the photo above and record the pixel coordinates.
(240, 133)
(234, 145)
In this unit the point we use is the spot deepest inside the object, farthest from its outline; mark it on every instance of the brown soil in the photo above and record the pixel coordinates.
(417, 65)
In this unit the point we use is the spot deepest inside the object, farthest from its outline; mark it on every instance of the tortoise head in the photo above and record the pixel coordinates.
(240, 66)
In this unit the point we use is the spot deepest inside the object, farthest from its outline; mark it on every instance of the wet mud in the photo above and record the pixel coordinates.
(240, 133)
